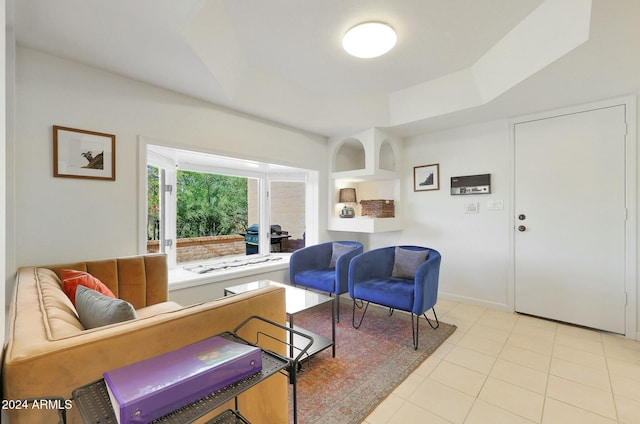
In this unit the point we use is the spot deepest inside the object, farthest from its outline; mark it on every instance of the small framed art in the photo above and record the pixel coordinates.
(83, 154)
(426, 177)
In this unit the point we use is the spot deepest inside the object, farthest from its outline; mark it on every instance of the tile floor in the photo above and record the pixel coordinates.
(500, 367)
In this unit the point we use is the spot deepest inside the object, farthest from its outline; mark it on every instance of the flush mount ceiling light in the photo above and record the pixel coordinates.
(370, 39)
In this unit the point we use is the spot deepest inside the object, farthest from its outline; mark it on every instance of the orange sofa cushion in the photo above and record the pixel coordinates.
(71, 279)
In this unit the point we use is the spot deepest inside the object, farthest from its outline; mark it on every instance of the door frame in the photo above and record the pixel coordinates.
(631, 196)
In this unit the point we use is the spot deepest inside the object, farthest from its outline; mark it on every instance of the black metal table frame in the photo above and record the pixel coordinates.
(321, 340)
(95, 407)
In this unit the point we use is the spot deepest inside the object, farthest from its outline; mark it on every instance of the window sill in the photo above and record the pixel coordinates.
(181, 278)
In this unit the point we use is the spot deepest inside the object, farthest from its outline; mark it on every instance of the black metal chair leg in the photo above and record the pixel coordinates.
(429, 321)
(353, 316)
(414, 330)
(416, 327)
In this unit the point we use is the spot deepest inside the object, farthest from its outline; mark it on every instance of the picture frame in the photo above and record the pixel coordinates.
(83, 154)
(426, 177)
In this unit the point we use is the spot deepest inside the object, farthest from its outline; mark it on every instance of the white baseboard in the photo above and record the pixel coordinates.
(475, 301)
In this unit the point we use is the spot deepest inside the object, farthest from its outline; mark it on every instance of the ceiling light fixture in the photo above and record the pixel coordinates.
(369, 39)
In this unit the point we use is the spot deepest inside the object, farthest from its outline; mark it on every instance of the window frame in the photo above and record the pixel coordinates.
(264, 172)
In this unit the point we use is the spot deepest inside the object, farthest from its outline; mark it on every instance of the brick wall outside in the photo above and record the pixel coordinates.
(201, 248)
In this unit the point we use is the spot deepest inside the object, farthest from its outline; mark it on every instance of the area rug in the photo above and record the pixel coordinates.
(370, 363)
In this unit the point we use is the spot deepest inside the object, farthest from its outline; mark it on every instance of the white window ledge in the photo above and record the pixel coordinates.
(181, 278)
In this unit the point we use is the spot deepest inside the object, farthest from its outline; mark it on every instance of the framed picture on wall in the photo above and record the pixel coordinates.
(426, 177)
(83, 154)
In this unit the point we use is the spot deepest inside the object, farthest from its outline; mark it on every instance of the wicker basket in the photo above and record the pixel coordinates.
(378, 208)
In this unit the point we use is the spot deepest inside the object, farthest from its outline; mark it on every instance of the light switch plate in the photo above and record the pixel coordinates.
(472, 207)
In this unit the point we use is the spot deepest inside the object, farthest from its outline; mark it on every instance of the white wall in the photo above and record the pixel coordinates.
(474, 247)
(3, 168)
(62, 219)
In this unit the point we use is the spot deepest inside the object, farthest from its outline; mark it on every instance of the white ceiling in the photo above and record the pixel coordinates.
(282, 59)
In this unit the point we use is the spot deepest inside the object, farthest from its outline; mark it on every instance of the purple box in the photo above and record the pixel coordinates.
(154, 387)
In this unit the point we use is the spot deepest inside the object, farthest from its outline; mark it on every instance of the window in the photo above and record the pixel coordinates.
(205, 208)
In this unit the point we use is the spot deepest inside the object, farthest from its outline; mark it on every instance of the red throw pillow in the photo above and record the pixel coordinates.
(71, 279)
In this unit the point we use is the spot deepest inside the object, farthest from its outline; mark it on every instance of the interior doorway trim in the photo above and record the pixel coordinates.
(631, 197)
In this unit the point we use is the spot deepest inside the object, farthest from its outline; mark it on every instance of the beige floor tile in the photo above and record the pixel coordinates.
(521, 376)
(624, 368)
(459, 378)
(536, 333)
(463, 325)
(409, 385)
(383, 413)
(491, 333)
(456, 336)
(427, 366)
(628, 410)
(580, 343)
(587, 377)
(580, 332)
(485, 413)
(598, 379)
(580, 357)
(525, 341)
(536, 328)
(519, 401)
(443, 401)
(584, 397)
(623, 353)
(615, 340)
(443, 350)
(414, 414)
(481, 344)
(466, 312)
(498, 320)
(525, 357)
(556, 412)
(471, 359)
(443, 306)
(624, 386)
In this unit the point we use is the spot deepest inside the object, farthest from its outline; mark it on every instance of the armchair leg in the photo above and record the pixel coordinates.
(415, 327)
(338, 307)
(429, 321)
(391, 311)
(353, 316)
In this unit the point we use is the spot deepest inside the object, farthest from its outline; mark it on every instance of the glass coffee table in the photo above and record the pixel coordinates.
(298, 300)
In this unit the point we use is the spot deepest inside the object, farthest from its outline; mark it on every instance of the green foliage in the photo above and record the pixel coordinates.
(210, 204)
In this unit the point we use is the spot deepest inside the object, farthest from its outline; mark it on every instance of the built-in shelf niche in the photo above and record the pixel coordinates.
(370, 163)
(350, 156)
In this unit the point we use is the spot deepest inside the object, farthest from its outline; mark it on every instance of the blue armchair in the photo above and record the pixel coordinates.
(398, 277)
(324, 267)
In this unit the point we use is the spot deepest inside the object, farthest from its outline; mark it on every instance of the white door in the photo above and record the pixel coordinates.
(570, 218)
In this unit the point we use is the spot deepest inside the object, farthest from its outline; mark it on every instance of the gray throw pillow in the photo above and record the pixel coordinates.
(407, 261)
(339, 249)
(95, 309)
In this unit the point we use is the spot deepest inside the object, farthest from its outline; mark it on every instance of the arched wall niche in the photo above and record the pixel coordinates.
(349, 156)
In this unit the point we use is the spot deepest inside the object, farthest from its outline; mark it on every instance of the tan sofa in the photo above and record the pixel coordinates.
(48, 352)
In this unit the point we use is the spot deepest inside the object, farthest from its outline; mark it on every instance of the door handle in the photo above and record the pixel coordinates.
(522, 228)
